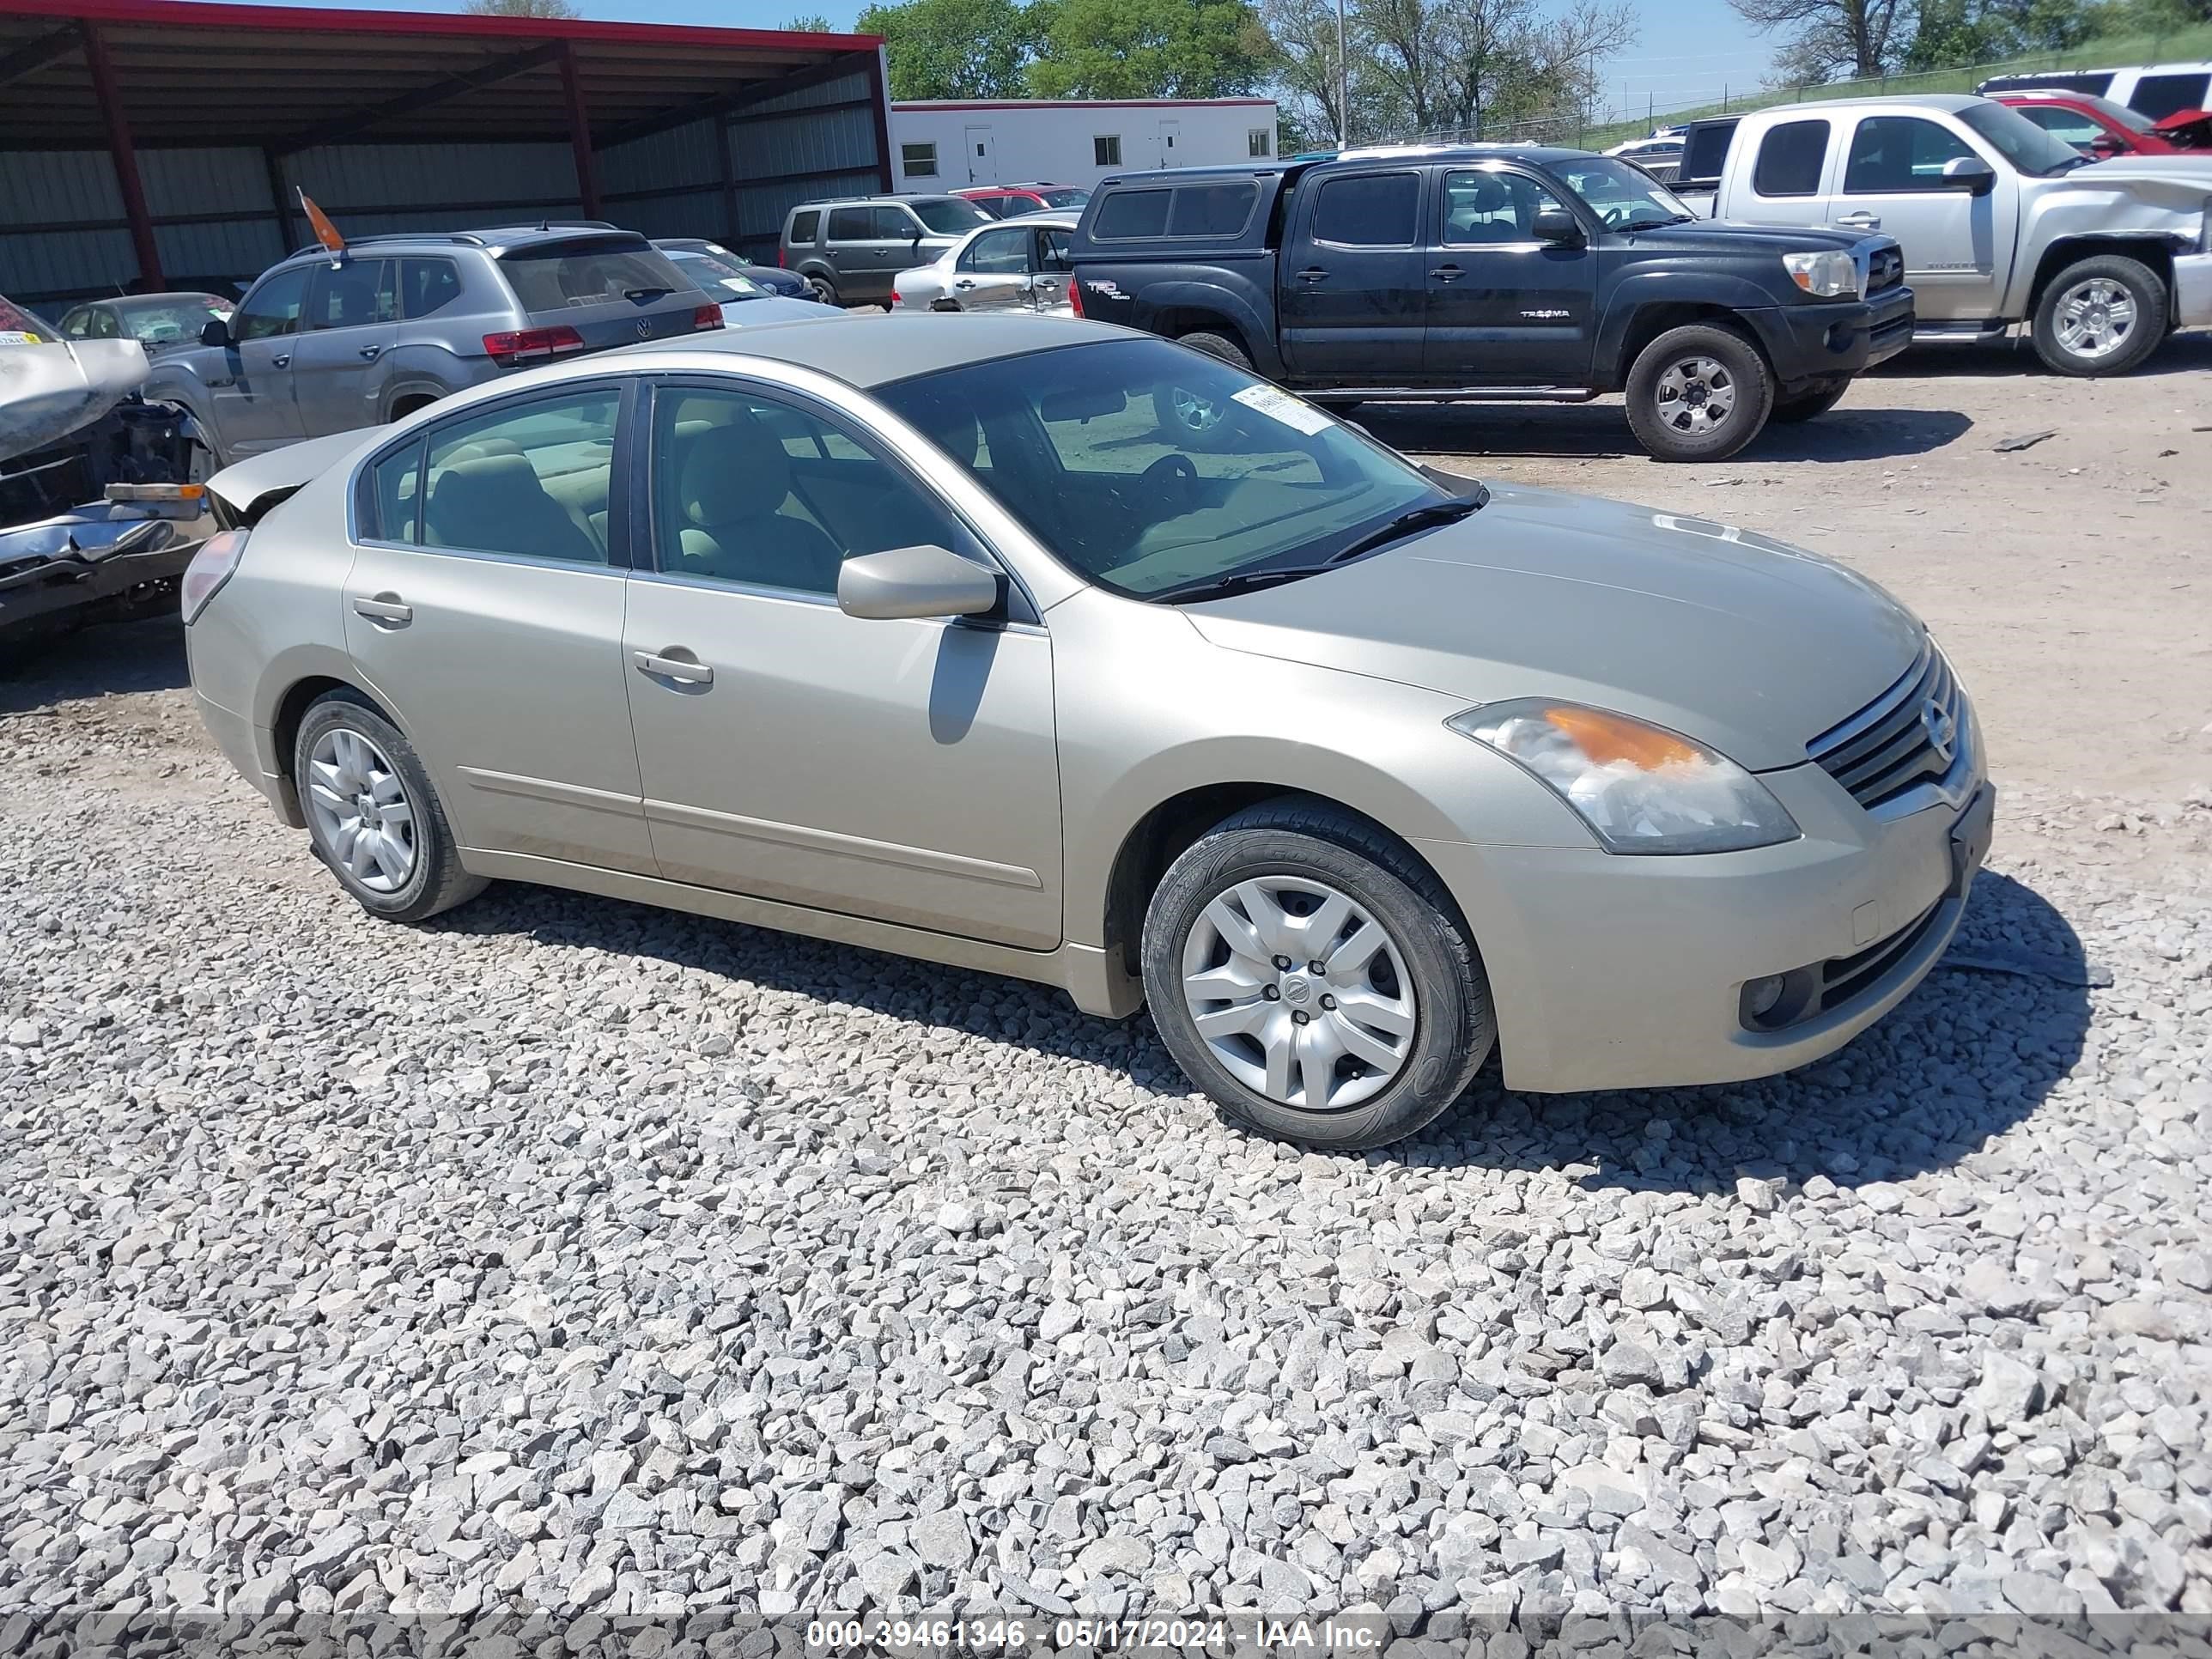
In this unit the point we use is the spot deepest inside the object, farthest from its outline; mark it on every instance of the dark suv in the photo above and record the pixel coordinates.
(322, 344)
(848, 251)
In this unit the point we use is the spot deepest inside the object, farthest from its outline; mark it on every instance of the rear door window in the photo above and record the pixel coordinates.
(1790, 159)
(1375, 209)
(1893, 155)
(427, 285)
(564, 275)
(1129, 214)
(529, 480)
(2160, 95)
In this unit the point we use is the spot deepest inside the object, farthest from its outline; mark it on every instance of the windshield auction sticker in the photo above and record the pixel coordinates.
(1278, 404)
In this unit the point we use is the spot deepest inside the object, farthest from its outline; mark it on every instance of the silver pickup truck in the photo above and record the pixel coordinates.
(2001, 223)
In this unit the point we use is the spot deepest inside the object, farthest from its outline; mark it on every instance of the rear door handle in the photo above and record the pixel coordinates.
(1312, 274)
(369, 354)
(1447, 273)
(672, 668)
(284, 362)
(385, 608)
(1861, 221)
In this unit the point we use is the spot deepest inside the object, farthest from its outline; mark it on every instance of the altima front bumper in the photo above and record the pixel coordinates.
(1612, 972)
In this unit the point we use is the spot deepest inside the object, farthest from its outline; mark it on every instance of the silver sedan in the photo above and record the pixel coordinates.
(937, 637)
(1022, 264)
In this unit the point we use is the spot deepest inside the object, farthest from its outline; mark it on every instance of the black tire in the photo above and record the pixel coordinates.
(2142, 288)
(1299, 837)
(824, 290)
(435, 880)
(1198, 421)
(1749, 380)
(1807, 405)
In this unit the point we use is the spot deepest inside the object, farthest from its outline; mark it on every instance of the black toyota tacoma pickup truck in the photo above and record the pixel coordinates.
(1493, 272)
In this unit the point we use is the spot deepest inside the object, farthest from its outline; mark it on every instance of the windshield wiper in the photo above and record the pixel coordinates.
(1237, 581)
(1419, 518)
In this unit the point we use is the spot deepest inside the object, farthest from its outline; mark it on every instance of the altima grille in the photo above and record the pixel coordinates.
(1885, 269)
(1915, 732)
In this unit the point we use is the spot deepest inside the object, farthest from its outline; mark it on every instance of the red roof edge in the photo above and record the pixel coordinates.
(195, 14)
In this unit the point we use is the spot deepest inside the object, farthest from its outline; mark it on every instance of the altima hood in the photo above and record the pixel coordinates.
(1723, 635)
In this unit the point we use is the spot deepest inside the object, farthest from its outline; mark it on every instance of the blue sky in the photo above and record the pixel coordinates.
(1690, 50)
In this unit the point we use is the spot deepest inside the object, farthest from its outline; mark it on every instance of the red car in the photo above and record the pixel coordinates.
(1012, 201)
(2098, 127)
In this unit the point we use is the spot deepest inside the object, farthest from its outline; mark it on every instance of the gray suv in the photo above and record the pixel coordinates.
(848, 251)
(321, 346)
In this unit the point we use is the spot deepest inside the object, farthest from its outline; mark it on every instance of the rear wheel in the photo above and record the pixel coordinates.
(822, 288)
(2100, 316)
(1312, 977)
(1193, 417)
(1699, 394)
(1807, 405)
(372, 816)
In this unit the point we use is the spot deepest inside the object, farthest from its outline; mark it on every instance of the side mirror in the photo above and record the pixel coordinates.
(1553, 223)
(915, 581)
(2104, 147)
(215, 332)
(1969, 173)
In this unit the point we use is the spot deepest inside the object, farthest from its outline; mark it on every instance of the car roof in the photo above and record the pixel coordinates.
(167, 296)
(1953, 101)
(873, 351)
(491, 238)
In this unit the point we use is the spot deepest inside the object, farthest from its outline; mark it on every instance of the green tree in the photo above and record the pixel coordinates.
(812, 23)
(1307, 86)
(955, 48)
(520, 8)
(1149, 49)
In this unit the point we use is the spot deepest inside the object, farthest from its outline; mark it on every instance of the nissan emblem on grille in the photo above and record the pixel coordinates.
(1935, 721)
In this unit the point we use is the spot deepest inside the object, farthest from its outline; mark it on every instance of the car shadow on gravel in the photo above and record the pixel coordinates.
(1970, 1053)
(1854, 431)
(1975, 1049)
(93, 662)
(2016, 360)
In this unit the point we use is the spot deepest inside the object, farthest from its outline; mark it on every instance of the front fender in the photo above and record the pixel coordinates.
(1253, 326)
(1637, 291)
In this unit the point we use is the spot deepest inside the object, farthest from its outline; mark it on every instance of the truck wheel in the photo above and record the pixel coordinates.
(2100, 316)
(1807, 405)
(1192, 418)
(1699, 394)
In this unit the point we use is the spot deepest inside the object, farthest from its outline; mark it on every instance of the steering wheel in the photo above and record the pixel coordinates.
(1616, 215)
(1154, 478)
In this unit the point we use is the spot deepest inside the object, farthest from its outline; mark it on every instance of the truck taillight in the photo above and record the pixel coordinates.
(530, 345)
(211, 566)
(707, 317)
(1075, 296)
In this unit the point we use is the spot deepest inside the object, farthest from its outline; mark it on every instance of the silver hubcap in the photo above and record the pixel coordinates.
(2095, 318)
(1696, 394)
(361, 813)
(1299, 992)
(1195, 412)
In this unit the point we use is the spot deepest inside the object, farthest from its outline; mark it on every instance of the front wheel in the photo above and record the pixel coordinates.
(1195, 416)
(1806, 405)
(372, 814)
(2100, 316)
(1699, 394)
(1313, 978)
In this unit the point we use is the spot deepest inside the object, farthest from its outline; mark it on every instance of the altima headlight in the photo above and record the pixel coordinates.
(1829, 276)
(1641, 788)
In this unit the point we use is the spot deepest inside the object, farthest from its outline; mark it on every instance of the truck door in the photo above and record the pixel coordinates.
(1958, 246)
(1505, 308)
(1354, 294)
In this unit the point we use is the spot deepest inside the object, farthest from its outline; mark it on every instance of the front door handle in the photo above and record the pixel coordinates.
(369, 354)
(672, 668)
(1312, 274)
(284, 362)
(385, 608)
(1861, 221)
(1447, 273)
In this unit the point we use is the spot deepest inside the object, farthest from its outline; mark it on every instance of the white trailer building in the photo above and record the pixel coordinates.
(950, 144)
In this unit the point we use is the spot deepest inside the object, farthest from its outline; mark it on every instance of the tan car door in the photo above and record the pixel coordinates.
(902, 770)
(1055, 265)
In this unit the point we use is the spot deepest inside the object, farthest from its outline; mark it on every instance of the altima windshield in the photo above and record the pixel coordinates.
(1149, 467)
(1624, 197)
(2019, 140)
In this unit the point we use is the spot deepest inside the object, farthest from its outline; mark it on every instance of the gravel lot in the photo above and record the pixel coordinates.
(585, 1257)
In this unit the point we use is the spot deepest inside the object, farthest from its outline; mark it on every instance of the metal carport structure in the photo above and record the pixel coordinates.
(159, 142)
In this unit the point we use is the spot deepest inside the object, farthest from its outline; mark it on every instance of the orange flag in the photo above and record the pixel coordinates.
(325, 232)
